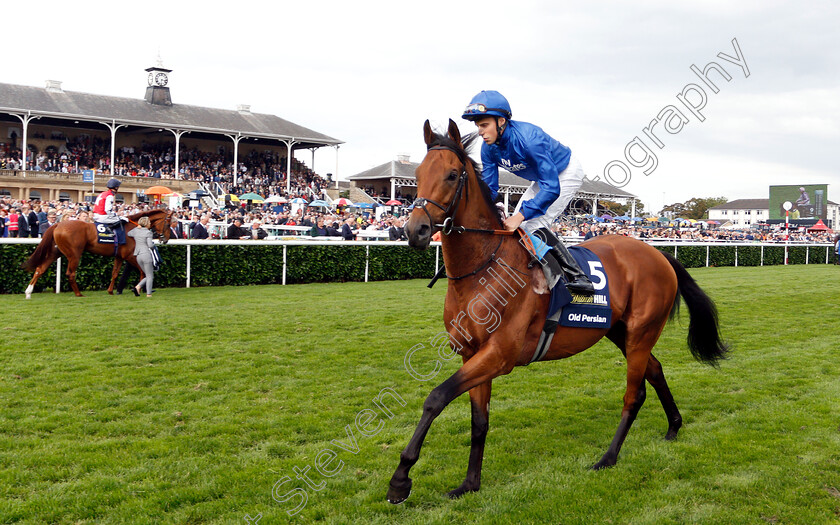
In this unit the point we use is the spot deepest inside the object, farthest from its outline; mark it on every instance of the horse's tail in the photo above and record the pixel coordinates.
(704, 339)
(43, 252)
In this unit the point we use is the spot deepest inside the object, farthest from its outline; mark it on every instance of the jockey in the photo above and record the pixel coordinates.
(103, 210)
(529, 152)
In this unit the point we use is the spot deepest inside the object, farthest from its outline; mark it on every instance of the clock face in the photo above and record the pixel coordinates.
(151, 79)
(161, 79)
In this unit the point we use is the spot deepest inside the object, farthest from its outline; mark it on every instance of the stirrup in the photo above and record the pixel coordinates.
(580, 286)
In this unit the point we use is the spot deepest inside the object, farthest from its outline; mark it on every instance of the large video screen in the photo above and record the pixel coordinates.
(808, 201)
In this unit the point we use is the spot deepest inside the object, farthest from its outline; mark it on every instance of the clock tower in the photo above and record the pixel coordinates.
(157, 91)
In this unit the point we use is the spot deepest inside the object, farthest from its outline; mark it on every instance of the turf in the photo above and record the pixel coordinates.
(194, 406)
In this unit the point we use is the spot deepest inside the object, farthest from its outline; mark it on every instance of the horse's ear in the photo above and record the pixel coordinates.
(454, 132)
(427, 132)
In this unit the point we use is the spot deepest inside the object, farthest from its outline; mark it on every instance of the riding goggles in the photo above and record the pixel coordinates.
(480, 109)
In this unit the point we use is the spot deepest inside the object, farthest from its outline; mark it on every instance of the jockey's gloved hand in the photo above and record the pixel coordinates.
(124, 219)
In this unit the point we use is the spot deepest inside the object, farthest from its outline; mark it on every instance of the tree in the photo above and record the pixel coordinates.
(694, 208)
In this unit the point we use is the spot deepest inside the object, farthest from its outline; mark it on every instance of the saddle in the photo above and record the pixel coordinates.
(110, 233)
(566, 308)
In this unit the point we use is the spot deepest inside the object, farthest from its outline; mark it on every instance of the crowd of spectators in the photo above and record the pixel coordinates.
(574, 230)
(259, 221)
(263, 173)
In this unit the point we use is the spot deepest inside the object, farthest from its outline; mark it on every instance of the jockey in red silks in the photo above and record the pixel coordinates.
(103, 210)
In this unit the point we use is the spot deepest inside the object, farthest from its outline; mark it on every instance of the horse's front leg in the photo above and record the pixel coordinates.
(118, 262)
(481, 368)
(480, 403)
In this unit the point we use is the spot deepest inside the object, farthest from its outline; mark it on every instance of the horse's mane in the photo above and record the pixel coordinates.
(147, 213)
(460, 149)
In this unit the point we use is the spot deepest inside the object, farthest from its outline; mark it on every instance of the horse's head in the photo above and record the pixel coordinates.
(160, 224)
(441, 182)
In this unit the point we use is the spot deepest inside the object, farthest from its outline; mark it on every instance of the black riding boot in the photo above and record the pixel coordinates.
(578, 282)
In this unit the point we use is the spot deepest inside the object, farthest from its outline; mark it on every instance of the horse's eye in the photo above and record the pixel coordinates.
(452, 175)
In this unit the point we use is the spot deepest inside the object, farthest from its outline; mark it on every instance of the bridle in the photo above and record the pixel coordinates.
(448, 226)
(449, 220)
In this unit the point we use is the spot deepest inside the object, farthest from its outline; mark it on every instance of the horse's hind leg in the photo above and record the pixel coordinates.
(656, 378)
(637, 348)
(42, 268)
(480, 403)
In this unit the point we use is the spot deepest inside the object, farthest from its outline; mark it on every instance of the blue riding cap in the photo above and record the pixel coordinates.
(487, 103)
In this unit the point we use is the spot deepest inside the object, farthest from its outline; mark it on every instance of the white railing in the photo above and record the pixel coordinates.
(334, 241)
(232, 242)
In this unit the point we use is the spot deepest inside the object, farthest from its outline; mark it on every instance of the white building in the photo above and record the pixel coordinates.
(743, 213)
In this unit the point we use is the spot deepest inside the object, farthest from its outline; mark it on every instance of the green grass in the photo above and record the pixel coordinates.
(190, 406)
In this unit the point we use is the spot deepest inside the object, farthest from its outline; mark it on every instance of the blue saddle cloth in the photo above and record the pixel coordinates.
(106, 235)
(584, 311)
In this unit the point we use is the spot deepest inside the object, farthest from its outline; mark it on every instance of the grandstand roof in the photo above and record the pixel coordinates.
(405, 170)
(137, 112)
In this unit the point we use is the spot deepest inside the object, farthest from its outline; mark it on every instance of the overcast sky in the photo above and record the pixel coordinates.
(591, 74)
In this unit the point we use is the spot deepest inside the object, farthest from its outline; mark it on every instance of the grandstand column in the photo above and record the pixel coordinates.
(177, 133)
(235, 138)
(507, 200)
(335, 176)
(595, 205)
(25, 119)
(632, 207)
(113, 127)
(289, 143)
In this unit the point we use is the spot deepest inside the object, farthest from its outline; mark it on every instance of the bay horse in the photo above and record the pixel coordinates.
(502, 329)
(72, 238)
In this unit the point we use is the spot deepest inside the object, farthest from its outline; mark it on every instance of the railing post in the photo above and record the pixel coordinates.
(675, 252)
(367, 261)
(807, 253)
(58, 275)
(707, 255)
(762, 255)
(189, 253)
(736, 256)
(284, 264)
(437, 258)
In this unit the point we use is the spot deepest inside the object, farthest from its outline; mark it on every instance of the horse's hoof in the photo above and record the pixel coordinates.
(603, 464)
(460, 491)
(671, 435)
(397, 495)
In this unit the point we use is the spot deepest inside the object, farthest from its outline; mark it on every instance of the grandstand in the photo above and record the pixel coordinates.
(395, 180)
(49, 136)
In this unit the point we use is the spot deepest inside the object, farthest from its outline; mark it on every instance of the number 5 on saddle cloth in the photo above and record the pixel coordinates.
(565, 308)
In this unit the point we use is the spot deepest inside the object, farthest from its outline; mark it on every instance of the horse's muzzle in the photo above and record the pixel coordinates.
(419, 232)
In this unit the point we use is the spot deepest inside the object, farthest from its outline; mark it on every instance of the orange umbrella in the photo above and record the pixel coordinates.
(158, 190)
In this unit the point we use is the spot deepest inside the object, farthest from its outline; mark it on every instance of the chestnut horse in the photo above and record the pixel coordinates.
(72, 238)
(502, 328)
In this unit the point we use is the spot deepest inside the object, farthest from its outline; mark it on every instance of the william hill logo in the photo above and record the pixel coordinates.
(598, 299)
